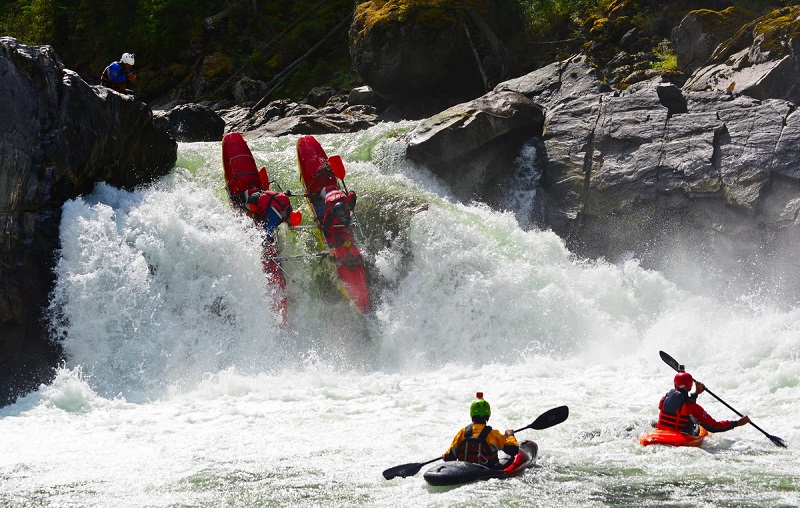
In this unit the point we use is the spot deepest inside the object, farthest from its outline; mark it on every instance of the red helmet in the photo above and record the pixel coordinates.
(683, 381)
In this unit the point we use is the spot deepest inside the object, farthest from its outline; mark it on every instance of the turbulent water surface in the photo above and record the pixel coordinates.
(181, 388)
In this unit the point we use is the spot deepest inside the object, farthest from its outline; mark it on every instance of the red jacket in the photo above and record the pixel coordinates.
(278, 203)
(329, 219)
(678, 409)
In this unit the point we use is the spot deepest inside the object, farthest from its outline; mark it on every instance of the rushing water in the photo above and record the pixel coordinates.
(181, 389)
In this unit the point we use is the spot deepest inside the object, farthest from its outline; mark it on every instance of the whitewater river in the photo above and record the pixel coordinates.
(180, 389)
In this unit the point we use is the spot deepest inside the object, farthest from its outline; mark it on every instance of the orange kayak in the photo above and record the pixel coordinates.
(672, 438)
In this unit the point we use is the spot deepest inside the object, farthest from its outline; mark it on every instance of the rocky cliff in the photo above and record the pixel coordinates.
(667, 174)
(58, 137)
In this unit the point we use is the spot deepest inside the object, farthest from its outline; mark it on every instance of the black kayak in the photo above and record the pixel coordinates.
(458, 472)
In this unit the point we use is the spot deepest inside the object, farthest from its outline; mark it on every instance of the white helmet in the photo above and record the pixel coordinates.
(127, 58)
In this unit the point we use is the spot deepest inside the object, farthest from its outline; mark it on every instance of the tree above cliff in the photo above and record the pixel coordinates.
(197, 49)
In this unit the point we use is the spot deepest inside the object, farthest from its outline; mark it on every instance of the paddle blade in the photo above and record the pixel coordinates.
(672, 362)
(262, 175)
(295, 218)
(549, 418)
(778, 441)
(337, 166)
(403, 470)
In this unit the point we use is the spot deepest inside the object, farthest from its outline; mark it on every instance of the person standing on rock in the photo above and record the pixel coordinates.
(118, 75)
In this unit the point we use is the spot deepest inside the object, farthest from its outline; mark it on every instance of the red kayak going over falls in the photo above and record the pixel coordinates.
(333, 210)
(245, 184)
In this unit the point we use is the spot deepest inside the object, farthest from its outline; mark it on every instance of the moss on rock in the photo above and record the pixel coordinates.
(771, 33)
(430, 13)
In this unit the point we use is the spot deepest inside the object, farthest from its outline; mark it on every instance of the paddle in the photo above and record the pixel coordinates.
(337, 166)
(679, 368)
(301, 256)
(293, 195)
(544, 421)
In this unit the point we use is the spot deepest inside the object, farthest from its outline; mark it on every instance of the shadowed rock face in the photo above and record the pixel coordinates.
(58, 137)
(408, 49)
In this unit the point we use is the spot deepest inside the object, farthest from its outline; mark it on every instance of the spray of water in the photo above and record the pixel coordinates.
(176, 362)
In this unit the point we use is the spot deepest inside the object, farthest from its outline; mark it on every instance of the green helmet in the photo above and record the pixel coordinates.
(480, 407)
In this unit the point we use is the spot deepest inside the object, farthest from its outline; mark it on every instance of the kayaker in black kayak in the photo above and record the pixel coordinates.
(478, 443)
(680, 412)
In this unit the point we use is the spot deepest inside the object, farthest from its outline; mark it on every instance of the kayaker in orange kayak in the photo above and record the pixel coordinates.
(680, 412)
(478, 443)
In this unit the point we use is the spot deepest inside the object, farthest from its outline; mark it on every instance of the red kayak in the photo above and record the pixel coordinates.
(316, 173)
(672, 438)
(241, 174)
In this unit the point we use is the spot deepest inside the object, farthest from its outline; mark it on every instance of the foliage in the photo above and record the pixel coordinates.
(259, 36)
(667, 58)
(558, 19)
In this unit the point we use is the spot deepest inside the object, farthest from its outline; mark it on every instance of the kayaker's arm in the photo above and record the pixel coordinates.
(709, 423)
(706, 421)
(450, 454)
(511, 446)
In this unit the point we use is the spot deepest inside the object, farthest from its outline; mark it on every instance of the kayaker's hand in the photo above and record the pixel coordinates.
(509, 432)
(332, 252)
(700, 387)
(743, 421)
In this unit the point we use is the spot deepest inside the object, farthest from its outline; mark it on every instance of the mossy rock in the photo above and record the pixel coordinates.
(214, 65)
(408, 48)
(772, 33)
(724, 24)
(432, 14)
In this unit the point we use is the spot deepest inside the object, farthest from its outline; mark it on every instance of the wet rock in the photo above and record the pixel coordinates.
(192, 123)
(58, 137)
(464, 144)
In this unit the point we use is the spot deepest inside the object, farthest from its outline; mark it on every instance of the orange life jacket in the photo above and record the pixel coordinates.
(679, 420)
(476, 449)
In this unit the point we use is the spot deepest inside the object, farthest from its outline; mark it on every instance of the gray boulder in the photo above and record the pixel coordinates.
(761, 61)
(313, 124)
(248, 90)
(366, 96)
(464, 145)
(702, 31)
(192, 122)
(653, 170)
(572, 77)
(404, 50)
(319, 95)
(58, 137)
(624, 174)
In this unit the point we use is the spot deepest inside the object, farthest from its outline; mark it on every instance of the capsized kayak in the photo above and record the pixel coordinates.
(458, 472)
(672, 438)
(241, 174)
(316, 175)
